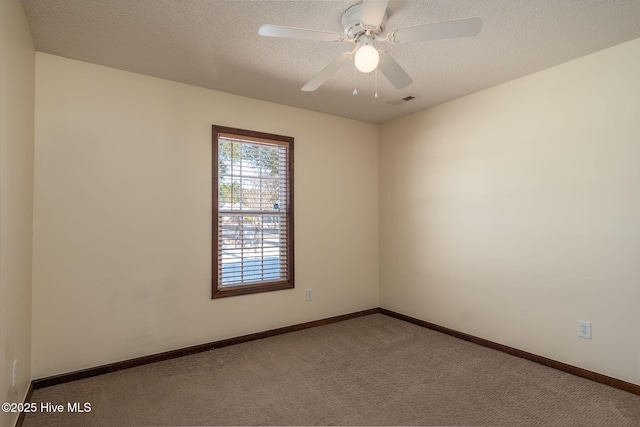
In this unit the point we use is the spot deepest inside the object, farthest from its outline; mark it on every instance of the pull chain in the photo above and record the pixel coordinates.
(355, 91)
(376, 94)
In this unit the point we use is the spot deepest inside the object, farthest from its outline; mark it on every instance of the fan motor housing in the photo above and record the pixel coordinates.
(352, 24)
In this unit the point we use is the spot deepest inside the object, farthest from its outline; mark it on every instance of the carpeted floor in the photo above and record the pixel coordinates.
(373, 370)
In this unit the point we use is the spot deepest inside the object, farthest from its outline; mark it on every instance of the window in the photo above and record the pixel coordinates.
(252, 212)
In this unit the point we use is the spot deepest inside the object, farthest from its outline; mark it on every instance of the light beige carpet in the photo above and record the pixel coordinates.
(373, 370)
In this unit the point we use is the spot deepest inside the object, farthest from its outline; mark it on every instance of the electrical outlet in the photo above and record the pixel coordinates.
(584, 329)
(309, 294)
(13, 373)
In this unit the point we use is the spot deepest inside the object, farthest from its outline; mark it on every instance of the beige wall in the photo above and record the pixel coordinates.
(514, 212)
(17, 69)
(122, 216)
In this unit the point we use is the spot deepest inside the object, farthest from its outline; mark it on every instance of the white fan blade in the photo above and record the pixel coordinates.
(393, 72)
(300, 33)
(441, 30)
(373, 12)
(327, 72)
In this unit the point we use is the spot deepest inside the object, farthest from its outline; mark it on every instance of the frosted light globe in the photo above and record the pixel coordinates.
(367, 58)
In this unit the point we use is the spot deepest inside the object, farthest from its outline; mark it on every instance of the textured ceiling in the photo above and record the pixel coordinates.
(215, 44)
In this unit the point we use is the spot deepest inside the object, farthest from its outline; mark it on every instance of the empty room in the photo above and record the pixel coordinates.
(264, 212)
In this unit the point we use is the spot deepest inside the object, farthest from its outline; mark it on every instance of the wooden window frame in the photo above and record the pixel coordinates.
(258, 287)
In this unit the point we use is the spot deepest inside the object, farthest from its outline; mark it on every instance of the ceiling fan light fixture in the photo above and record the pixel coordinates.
(367, 58)
(364, 23)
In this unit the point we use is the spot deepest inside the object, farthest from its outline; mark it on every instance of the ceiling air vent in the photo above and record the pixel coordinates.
(402, 101)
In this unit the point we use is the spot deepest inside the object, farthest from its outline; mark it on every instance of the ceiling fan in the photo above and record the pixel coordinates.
(365, 23)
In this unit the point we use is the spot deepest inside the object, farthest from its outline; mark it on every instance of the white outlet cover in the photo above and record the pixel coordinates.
(584, 329)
